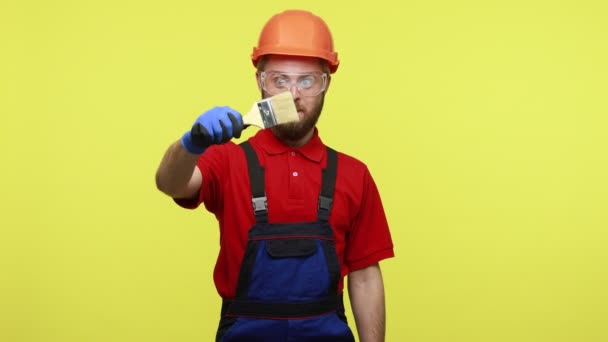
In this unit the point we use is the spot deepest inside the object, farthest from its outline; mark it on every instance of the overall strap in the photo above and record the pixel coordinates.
(256, 179)
(328, 184)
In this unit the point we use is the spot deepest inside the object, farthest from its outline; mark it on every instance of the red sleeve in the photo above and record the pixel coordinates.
(369, 240)
(212, 164)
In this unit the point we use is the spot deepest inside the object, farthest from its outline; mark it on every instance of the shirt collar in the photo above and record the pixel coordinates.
(312, 150)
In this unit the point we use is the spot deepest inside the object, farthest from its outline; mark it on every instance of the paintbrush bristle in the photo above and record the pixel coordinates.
(284, 108)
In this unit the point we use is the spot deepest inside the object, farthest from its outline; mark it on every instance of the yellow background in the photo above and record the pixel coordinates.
(484, 124)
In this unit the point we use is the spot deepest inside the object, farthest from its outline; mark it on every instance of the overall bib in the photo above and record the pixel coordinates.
(288, 281)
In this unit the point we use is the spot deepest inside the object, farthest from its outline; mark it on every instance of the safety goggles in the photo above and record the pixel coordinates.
(308, 84)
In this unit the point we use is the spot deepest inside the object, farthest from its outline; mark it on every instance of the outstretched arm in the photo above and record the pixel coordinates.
(177, 174)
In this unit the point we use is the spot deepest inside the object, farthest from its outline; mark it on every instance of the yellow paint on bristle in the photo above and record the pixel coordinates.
(284, 108)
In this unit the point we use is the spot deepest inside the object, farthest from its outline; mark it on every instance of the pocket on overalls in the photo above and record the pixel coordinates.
(253, 329)
(326, 328)
(290, 270)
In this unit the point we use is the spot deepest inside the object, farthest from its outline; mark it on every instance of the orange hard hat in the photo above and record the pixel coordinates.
(296, 33)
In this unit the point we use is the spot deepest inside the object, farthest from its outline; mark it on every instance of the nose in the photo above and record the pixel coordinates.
(295, 92)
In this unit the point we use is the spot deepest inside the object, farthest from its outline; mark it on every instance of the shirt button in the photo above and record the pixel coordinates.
(293, 153)
(295, 174)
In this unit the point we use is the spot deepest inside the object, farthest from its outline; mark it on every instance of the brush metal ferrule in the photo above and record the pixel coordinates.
(267, 114)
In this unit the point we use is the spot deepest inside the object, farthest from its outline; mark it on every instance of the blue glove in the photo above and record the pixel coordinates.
(215, 126)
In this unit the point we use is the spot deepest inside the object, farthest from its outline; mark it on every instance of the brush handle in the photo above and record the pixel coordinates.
(201, 136)
(205, 132)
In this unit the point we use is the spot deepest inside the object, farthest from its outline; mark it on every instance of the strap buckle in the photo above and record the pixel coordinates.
(325, 202)
(259, 204)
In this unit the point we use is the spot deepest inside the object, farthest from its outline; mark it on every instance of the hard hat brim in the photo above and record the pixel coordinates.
(330, 57)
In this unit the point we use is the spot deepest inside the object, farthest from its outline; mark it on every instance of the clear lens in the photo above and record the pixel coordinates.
(311, 84)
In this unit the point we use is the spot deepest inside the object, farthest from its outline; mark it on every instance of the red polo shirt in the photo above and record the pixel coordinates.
(293, 182)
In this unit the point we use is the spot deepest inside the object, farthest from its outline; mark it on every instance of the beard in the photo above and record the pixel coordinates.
(294, 131)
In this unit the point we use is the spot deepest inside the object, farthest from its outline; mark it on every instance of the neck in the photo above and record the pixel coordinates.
(299, 142)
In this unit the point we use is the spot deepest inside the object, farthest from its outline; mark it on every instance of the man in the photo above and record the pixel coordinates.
(295, 216)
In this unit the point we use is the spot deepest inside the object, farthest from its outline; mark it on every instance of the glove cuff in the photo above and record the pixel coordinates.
(189, 144)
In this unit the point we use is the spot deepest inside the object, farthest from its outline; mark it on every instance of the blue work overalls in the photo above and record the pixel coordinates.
(288, 282)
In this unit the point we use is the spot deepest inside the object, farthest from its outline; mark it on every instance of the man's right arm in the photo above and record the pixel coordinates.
(177, 175)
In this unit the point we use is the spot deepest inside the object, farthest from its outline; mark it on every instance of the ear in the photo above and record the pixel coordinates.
(258, 79)
(328, 82)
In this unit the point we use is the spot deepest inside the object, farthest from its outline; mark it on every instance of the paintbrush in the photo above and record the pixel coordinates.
(266, 113)
(272, 111)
